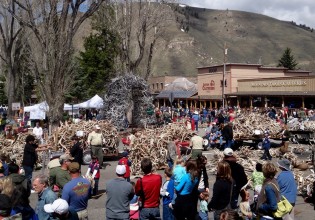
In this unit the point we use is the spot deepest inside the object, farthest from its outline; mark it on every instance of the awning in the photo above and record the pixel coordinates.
(273, 93)
(177, 94)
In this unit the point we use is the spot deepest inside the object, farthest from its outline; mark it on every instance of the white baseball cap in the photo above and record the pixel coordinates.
(121, 169)
(97, 127)
(59, 206)
(228, 151)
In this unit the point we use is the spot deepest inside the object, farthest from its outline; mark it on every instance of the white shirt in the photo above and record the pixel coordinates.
(38, 131)
(196, 142)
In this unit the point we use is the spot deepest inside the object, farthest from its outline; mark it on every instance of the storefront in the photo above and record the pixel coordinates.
(294, 92)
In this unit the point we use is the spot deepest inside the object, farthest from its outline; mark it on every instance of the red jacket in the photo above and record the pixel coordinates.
(127, 163)
(151, 185)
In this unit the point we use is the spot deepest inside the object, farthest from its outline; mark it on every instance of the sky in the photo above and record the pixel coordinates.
(299, 11)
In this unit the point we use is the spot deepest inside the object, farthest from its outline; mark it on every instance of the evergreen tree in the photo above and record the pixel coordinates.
(97, 62)
(287, 60)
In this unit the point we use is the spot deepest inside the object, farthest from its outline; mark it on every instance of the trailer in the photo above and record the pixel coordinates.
(302, 136)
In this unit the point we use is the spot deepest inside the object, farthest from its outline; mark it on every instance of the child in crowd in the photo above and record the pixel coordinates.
(203, 208)
(257, 179)
(125, 161)
(134, 205)
(167, 193)
(266, 146)
(178, 173)
(245, 209)
(94, 173)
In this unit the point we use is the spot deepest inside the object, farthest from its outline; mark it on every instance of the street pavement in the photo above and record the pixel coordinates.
(96, 207)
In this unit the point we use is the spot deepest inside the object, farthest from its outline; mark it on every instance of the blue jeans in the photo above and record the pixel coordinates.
(228, 144)
(167, 213)
(28, 172)
(95, 189)
(203, 215)
(150, 213)
(196, 125)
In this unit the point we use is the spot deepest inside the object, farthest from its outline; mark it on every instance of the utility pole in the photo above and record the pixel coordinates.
(223, 77)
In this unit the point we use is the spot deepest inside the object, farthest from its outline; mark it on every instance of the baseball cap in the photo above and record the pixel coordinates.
(228, 152)
(59, 206)
(121, 169)
(97, 127)
(74, 167)
(66, 157)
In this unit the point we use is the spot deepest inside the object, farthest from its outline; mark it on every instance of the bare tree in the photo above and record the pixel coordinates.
(53, 24)
(140, 25)
(11, 44)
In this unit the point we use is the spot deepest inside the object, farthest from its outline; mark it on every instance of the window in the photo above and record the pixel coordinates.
(221, 83)
(153, 86)
(161, 85)
(157, 85)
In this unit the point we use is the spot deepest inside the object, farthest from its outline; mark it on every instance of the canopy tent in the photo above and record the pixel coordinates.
(38, 111)
(95, 102)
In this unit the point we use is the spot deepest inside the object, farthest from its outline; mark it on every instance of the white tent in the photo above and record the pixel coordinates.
(95, 102)
(38, 111)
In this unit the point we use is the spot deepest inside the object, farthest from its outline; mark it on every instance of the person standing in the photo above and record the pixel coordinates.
(238, 174)
(196, 118)
(96, 140)
(77, 192)
(266, 144)
(30, 155)
(148, 188)
(171, 152)
(45, 196)
(63, 176)
(227, 134)
(127, 163)
(76, 150)
(119, 193)
(94, 173)
(287, 185)
(223, 190)
(269, 195)
(38, 132)
(167, 194)
(196, 143)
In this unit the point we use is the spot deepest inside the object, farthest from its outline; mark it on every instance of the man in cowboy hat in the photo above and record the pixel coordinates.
(287, 185)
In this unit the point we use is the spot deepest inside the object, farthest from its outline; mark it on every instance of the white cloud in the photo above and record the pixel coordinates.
(299, 11)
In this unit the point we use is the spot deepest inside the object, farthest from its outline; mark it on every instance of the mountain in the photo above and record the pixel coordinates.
(196, 37)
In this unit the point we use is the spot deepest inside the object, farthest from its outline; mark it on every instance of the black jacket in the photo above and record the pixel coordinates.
(221, 194)
(238, 173)
(30, 155)
(77, 152)
(227, 132)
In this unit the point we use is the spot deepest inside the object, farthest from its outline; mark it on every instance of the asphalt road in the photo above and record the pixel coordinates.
(96, 207)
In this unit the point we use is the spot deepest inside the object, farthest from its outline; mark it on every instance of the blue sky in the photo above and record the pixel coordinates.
(299, 11)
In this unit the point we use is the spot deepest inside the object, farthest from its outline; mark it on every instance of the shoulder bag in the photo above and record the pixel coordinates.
(284, 206)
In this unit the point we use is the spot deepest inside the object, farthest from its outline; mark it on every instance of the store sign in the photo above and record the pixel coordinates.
(279, 84)
(208, 86)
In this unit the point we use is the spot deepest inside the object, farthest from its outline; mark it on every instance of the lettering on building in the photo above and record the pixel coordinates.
(279, 84)
(208, 86)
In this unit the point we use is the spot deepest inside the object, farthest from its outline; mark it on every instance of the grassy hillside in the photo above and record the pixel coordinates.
(250, 38)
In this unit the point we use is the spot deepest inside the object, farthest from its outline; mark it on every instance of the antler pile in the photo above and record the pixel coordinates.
(61, 138)
(152, 143)
(246, 124)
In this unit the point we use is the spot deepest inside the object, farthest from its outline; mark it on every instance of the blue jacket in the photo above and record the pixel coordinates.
(271, 204)
(195, 117)
(266, 144)
(287, 184)
(45, 197)
(170, 189)
(186, 185)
